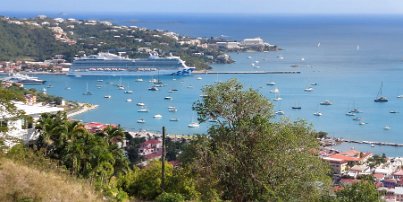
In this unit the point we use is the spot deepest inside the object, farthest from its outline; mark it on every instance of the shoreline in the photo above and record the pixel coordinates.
(84, 107)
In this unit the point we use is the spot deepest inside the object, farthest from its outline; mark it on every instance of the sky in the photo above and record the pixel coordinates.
(207, 6)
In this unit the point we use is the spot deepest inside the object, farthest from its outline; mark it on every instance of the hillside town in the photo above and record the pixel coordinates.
(138, 42)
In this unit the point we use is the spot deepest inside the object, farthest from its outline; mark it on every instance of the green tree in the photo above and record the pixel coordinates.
(148, 183)
(246, 157)
(361, 191)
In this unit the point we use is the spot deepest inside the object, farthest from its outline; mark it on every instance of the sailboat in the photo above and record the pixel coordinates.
(87, 92)
(128, 91)
(120, 85)
(379, 97)
(277, 95)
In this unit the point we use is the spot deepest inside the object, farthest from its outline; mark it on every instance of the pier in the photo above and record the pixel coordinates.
(247, 72)
(373, 143)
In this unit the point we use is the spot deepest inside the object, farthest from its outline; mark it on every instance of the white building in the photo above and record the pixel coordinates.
(18, 128)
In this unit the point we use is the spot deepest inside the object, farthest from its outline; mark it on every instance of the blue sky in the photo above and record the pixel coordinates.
(208, 6)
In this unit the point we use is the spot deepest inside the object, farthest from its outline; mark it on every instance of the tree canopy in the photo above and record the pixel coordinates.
(248, 157)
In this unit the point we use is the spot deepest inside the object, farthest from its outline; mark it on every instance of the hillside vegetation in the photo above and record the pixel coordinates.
(28, 43)
(19, 182)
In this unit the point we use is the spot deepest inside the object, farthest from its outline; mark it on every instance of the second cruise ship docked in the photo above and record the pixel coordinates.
(107, 64)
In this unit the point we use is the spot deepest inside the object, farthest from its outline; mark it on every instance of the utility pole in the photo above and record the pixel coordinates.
(163, 160)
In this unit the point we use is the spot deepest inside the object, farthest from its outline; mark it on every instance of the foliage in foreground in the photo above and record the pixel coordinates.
(247, 157)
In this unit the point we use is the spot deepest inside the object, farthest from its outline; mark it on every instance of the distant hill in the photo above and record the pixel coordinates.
(22, 183)
(28, 43)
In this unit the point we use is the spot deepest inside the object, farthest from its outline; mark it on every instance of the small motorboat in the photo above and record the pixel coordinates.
(386, 128)
(362, 123)
(356, 119)
(296, 107)
(153, 88)
(317, 114)
(129, 100)
(193, 125)
(140, 104)
(199, 78)
(326, 102)
(144, 110)
(141, 121)
(350, 114)
(168, 98)
(309, 89)
(280, 112)
(108, 96)
(157, 116)
(173, 119)
(271, 83)
(172, 109)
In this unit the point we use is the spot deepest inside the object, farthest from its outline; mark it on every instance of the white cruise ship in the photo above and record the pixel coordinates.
(107, 64)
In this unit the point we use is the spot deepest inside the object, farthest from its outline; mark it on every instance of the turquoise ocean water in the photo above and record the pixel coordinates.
(348, 76)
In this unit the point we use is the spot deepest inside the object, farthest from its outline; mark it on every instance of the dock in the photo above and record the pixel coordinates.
(247, 72)
(373, 143)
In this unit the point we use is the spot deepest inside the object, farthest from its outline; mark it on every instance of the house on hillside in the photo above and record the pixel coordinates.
(21, 128)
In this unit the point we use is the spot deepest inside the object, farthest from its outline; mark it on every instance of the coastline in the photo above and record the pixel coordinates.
(84, 107)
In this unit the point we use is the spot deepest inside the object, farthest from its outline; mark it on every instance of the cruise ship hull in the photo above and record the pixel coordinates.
(184, 71)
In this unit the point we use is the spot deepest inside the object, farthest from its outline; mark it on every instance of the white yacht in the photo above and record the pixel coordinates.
(157, 116)
(141, 104)
(139, 80)
(386, 127)
(199, 78)
(129, 100)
